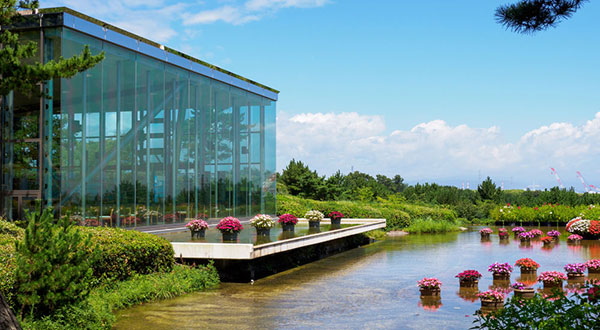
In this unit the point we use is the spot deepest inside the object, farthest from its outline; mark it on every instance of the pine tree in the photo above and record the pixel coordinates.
(528, 16)
(17, 75)
(53, 264)
(487, 189)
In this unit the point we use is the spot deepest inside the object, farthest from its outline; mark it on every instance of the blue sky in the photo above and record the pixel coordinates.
(430, 90)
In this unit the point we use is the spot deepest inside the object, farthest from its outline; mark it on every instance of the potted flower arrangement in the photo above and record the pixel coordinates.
(517, 230)
(263, 224)
(314, 218)
(429, 286)
(578, 226)
(554, 234)
(527, 265)
(526, 236)
(575, 271)
(500, 271)
(336, 218)
(469, 278)
(574, 238)
(229, 227)
(593, 266)
(552, 279)
(197, 227)
(492, 298)
(547, 240)
(522, 290)
(485, 232)
(287, 222)
(536, 233)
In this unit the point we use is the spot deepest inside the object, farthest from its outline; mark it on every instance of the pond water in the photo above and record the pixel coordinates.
(373, 287)
(248, 234)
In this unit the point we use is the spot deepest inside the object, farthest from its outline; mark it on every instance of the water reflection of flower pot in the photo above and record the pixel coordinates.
(335, 226)
(198, 233)
(314, 230)
(526, 293)
(336, 221)
(229, 236)
(430, 303)
(263, 240)
(528, 279)
(287, 234)
(500, 284)
(485, 235)
(263, 231)
(314, 224)
(287, 227)
(486, 239)
(468, 293)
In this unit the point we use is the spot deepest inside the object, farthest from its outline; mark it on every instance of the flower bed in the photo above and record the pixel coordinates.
(536, 232)
(526, 236)
(554, 234)
(518, 230)
(575, 270)
(552, 278)
(574, 238)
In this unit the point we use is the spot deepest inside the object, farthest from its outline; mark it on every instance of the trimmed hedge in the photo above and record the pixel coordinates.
(398, 215)
(123, 253)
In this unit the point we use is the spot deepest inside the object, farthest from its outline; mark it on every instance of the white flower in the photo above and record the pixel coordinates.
(314, 216)
(262, 221)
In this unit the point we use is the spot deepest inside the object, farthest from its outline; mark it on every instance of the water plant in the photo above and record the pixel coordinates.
(527, 264)
(576, 268)
(197, 225)
(262, 221)
(469, 275)
(574, 238)
(429, 283)
(498, 268)
(551, 277)
(287, 219)
(229, 225)
(314, 216)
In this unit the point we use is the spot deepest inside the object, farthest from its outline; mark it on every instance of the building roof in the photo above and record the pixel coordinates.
(80, 22)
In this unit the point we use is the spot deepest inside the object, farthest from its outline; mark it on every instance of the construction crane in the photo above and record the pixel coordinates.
(585, 186)
(557, 178)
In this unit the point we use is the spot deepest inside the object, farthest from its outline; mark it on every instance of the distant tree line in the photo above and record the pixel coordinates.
(299, 180)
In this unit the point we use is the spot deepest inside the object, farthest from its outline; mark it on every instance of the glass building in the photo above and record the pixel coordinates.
(148, 136)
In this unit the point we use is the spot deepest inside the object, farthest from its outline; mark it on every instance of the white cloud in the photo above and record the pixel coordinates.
(436, 150)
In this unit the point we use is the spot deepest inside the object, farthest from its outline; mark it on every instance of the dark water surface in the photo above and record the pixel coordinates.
(373, 287)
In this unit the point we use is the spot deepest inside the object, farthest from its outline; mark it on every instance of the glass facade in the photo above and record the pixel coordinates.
(136, 141)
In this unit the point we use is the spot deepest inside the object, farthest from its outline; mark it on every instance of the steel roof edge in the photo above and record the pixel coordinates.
(99, 29)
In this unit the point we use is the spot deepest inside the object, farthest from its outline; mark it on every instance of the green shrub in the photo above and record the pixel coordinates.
(123, 253)
(7, 267)
(428, 225)
(11, 229)
(97, 311)
(53, 265)
(579, 311)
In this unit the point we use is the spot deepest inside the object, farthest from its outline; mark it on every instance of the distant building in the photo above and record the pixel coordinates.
(148, 136)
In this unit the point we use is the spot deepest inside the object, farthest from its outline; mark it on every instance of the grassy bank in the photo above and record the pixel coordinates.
(399, 215)
(429, 225)
(97, 311)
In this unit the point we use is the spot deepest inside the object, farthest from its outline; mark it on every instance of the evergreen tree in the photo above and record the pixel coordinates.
(18, 75)
(487, 189)
(303, 182)
(528, 16)
(53, 264)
